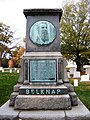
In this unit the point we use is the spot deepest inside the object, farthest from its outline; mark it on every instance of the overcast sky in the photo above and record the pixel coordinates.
(11, 12)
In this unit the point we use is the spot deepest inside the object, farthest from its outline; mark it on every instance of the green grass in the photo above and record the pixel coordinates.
(83, 92)
(7, 81)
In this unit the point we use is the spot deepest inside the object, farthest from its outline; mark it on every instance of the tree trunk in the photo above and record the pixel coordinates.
(78, 66)
(78, 61)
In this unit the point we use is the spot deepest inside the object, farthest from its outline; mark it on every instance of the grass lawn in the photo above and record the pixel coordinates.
(7, 81)
(83, 92)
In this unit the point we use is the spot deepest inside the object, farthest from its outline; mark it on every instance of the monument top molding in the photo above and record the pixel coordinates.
(47, 12)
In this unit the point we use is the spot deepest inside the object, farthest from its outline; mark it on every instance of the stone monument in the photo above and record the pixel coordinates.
(43, 82)
(43, 91)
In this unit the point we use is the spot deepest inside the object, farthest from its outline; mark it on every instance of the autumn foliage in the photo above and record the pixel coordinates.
(17, 54)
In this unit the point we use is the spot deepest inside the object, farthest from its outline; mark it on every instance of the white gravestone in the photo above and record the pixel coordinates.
(18, 71)
(15, 69)
(85, 78)
(75, 82)
(88, 71)
(77, 74)
(10, 70)
(2, 70)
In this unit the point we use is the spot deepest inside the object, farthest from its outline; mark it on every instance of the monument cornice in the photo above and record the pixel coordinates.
(45, 12)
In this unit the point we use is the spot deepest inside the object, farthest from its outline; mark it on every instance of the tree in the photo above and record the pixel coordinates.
(6, 36)
(16, 56)
(75, 33)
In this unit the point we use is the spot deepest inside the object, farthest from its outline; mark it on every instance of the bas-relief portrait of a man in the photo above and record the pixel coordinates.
(42, 33)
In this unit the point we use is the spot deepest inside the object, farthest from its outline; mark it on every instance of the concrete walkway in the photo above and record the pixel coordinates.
(79, 112)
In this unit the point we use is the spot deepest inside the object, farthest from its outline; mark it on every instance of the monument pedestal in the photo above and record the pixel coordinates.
(43, 98)
(45, 84)
(46, 102)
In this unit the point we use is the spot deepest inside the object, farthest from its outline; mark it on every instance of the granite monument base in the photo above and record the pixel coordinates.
(79, 112)
(43, 102)
(46, 98)
(44, 82)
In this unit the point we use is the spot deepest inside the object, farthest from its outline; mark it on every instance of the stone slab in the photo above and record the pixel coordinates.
(42, 54)
(42, 115)
(45, 102)
(28, 12)
(8, 113)
(79, 112)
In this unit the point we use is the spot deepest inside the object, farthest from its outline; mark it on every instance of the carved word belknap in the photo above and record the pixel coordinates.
(57, 91)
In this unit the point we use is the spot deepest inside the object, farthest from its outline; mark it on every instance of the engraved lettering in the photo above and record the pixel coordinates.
(42, 92)
(32, 91)
(58, 91)
(53, 92)
(43, 70)
(47, 92)
(37, 92)
(27, 92)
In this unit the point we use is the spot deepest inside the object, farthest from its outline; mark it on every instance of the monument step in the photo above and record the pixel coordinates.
(45, 102)
(79, 112)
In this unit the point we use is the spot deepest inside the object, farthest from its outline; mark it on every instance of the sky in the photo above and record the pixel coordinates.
(11, 13)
